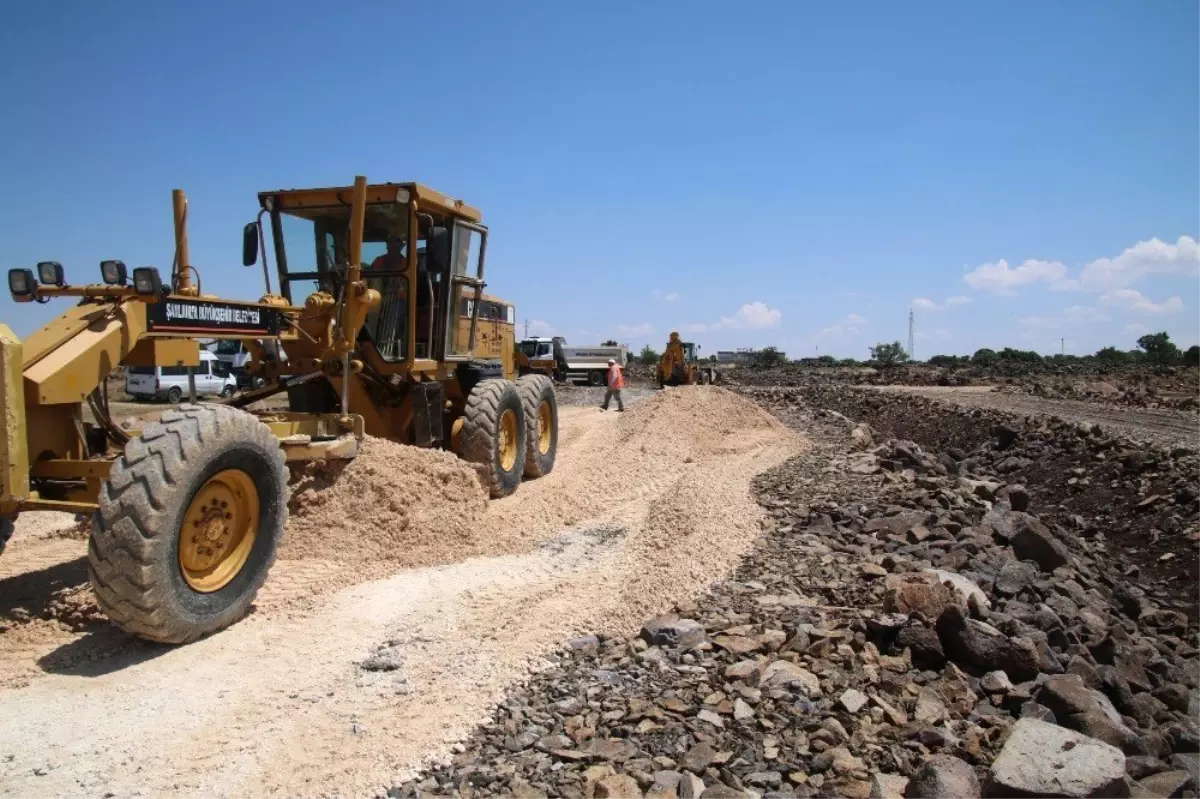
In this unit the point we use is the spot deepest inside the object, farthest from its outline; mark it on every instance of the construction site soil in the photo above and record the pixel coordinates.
(919, 621)
(342, 679)
(931, 591)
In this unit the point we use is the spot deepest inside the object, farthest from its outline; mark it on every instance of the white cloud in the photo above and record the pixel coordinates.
(1075, 315)
(926, 304)
(538, 327)
(1145, 258)
(694, 328)
(1084, 313)
(671, 296)
(851, 325)
(1153, 257)
(636, 331)
(1134, 300)
(751, 316)
(665, 296)
(1135, 330)
(1000, 278)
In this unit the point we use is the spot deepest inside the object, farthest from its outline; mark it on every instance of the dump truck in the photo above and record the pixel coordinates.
(680, 366)
(552, 356)
(380, 326)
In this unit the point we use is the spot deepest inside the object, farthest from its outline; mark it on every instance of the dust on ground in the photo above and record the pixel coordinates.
(643, 508)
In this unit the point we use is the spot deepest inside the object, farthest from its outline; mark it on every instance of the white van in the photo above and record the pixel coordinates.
(213, 378)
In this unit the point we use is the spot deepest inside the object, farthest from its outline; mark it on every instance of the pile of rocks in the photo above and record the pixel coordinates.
(1123, 393)
(908, 627)
(1135, 501)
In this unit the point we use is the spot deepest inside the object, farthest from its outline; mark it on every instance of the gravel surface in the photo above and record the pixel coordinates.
(1167, 427)
(589, 395)
(353, 689)
(908, 626)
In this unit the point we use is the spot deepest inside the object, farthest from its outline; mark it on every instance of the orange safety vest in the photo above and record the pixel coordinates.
(616, 379)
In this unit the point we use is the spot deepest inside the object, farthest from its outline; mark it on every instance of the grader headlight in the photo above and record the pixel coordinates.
(50, 273)
(146, 281)
(21, 285)
(113, 272)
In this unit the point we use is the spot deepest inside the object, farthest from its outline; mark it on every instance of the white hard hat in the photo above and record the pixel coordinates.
(611, 360)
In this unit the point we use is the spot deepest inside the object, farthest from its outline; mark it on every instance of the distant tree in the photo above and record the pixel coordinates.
(768, 357)
(1191, 356)
(847, 362)
(1158, 348)
(1112, 355)
(889, 354)
(648, 356)
(712, 359)
(984, 357)
(948, 360)
(610, 343)
(1020, 356)
(826, 360)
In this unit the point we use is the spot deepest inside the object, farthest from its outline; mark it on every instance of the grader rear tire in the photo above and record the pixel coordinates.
(541, 423)
(493, 435)
(189, 521)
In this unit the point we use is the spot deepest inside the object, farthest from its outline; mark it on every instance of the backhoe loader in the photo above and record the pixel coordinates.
(187, 512)
(679, 365)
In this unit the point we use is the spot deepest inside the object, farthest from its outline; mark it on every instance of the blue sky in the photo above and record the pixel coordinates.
(794, 174)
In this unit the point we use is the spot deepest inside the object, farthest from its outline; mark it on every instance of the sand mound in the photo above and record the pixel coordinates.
(393, 504)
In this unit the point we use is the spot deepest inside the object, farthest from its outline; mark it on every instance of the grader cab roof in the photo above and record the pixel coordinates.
(305, 202)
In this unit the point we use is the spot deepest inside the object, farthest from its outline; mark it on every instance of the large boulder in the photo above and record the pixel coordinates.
(977, 644)
(670, 630)
(1032, 540)
(1041, 759)
(1089, 711)
(920, 592)
(943, 776)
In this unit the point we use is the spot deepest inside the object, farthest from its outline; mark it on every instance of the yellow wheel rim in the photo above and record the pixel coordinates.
(545, 427)
(218, 531)
(508, 440)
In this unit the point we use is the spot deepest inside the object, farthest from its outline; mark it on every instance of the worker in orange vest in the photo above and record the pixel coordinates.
(616, 382)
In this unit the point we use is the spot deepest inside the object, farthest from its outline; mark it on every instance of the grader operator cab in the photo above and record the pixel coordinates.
(187, 511)
(680, 366)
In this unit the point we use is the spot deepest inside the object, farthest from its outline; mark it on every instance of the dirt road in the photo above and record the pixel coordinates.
(1148, 424)
(349, 691)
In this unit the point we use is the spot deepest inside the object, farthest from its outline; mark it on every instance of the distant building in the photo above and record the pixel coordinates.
(744, 356)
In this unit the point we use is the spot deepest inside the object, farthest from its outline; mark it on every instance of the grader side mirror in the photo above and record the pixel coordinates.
(250, 244)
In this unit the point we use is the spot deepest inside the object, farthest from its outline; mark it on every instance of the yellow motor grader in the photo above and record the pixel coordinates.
(680, 366)
(379, 327)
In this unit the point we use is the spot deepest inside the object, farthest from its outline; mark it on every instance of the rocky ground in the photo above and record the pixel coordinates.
(920, 619)
(1135, 392)
(1128, 385)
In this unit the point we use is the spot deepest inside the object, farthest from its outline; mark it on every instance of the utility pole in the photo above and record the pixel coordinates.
(910, 333)
(1063, 343)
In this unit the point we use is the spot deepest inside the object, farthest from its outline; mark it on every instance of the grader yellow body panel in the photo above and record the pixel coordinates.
(394, 337)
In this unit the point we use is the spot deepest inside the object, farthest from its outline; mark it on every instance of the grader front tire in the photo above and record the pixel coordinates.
(541, 423)
(189, 521)
(493, 435)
